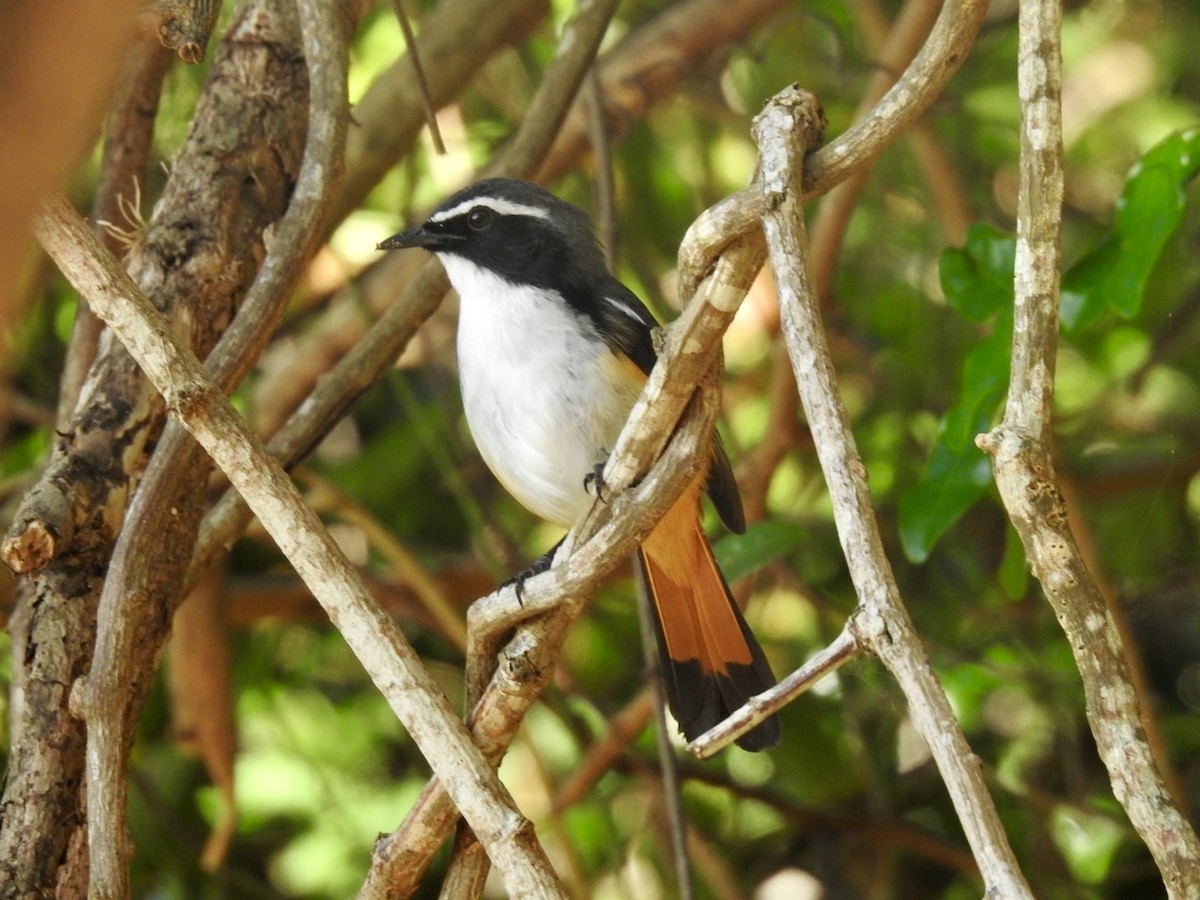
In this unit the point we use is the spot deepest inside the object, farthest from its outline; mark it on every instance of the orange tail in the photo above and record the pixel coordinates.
(711, 662)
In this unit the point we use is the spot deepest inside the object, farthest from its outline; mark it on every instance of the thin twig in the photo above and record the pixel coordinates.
(410, 41)
(669, 771)
(623, 729)
(461, 35)
(407, 569)
(841, 650)
(605, 191)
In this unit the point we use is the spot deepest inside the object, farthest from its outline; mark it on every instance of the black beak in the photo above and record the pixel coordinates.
(419, 237)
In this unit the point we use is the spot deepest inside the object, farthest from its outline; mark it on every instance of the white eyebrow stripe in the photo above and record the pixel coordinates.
(497, 205)
(625, 308)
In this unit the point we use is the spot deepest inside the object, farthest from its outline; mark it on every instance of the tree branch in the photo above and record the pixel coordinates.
(1024, 468)
(143, 587)
(455, 39)
(372, 635)
(198, 255)
(880, 623)
(922, 82)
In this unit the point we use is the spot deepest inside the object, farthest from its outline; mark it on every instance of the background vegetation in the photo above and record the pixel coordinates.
(917, 308)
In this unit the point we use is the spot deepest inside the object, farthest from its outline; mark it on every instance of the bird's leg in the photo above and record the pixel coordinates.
(537, 567)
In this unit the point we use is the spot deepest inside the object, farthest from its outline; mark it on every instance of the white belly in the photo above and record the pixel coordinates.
(539, 392)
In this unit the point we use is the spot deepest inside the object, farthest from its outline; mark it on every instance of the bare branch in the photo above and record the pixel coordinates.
(456, 38)
(881, 623)
(841, 650)
(374, 636)
(940, 56)
(323, 495)
(1024, 468)
(143, 584)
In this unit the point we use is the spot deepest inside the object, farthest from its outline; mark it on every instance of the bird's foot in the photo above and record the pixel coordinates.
(537, 567)
(593, 481)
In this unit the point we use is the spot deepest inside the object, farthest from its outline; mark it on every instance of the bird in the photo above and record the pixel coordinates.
(553, 352)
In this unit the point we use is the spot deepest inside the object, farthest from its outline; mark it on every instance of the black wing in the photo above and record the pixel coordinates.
(627, 327)
(626, 324)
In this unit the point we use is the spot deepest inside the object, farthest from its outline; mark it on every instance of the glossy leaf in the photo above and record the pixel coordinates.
(951, 485)
(764, 542)
(1113, 274)
(977, 281)
(977, 278)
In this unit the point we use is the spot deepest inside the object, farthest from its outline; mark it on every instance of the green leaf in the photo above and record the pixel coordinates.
(1083, 299)
(1113, 274)
(977, 278)
(977, 281)
(984, 382)
(740, 554)
(951, 485)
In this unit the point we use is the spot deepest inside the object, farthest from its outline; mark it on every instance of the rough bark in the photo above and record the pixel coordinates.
(198, 256)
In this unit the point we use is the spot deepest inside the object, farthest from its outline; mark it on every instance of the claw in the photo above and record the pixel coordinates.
(537, 567)
(595, 477)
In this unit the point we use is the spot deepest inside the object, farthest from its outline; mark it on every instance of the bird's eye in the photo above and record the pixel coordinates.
(480, 218)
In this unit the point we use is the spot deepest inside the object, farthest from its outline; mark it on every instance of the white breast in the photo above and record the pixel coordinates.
(538, 390)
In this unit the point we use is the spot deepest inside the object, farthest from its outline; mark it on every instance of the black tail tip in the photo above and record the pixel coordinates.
(762, 736)
(701, 699)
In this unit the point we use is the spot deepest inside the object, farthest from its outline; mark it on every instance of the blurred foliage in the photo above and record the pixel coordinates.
(920, 322)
